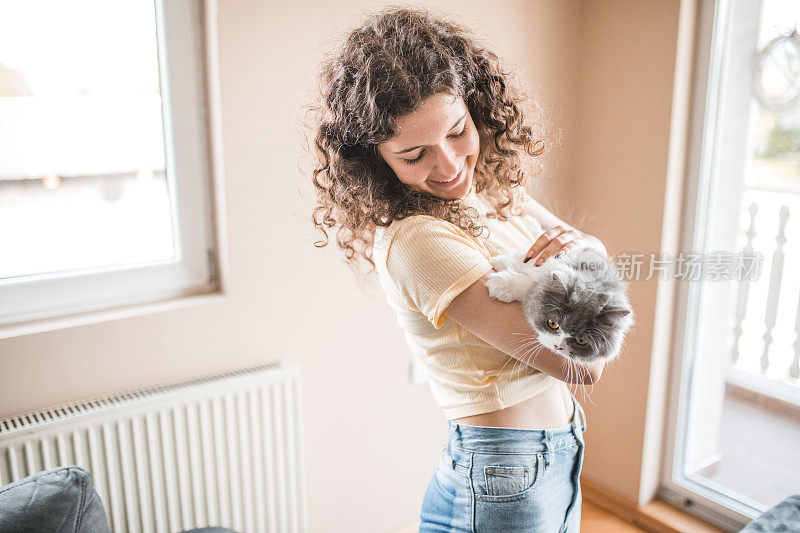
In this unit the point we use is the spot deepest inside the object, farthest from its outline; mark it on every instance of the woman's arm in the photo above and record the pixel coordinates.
(504, 326)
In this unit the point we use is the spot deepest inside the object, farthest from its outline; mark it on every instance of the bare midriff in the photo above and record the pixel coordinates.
(550, 409)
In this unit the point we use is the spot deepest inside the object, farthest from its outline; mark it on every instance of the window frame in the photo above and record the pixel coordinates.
(702, 169)
(188, 65)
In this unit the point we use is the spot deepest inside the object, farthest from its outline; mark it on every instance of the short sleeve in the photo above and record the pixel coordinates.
(431, 261)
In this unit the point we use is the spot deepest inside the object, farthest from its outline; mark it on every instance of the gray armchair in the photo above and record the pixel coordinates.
(57, 501)
(784, 516)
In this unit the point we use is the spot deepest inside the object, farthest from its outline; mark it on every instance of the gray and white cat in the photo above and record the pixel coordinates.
(577, 303)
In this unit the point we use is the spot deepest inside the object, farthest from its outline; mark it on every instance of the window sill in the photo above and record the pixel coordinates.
(94, 317)
(656, 516)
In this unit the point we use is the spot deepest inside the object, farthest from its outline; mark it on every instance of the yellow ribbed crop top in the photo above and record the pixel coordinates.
(423, 263)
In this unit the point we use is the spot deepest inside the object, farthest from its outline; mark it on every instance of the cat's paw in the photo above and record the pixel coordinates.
(501, 286)
(501, 262)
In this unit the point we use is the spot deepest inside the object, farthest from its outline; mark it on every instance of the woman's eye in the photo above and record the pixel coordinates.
(422, 153)
(416, 159)
(552, 324)
(580, 340)
(457, 135)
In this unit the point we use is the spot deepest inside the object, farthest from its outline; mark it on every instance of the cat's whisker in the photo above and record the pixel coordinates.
(575, 374)
(580, 375)
(532, 354)
(523, 347)
(528, 337)
(526, 344)
(532, 351)
(517, 361)
(518, 357)
(528, 340)
(539, 348)
(565, 362)
(586, 393)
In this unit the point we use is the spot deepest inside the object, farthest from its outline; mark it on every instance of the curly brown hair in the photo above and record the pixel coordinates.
(384, 70)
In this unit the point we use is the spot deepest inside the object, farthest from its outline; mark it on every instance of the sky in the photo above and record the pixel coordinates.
(81, 46)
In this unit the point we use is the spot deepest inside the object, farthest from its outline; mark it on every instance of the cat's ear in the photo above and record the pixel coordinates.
(614, 313)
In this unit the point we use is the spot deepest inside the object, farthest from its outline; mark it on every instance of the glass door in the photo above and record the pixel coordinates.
(733, 445)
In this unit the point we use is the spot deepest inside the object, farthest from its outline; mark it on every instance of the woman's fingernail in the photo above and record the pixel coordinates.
(539, 262)
(559, 254)
(527, 258)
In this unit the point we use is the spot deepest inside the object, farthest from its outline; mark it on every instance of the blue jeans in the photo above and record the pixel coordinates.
(507, 480)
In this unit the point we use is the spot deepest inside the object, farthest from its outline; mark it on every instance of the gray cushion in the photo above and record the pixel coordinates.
(783, 517)
(210, 530)
(56, 501)
(53, 501)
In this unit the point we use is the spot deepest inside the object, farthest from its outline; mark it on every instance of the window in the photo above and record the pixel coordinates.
(106, 174)
(732, 448)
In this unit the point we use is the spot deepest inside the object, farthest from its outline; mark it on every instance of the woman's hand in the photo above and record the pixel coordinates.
(560, 240)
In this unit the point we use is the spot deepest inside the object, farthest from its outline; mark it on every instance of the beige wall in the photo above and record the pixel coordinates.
(626, 65)
(604, 69)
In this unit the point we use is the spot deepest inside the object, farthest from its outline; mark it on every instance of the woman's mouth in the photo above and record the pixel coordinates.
(453, 181)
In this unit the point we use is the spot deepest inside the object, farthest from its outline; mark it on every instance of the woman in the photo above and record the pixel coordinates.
(421, 142)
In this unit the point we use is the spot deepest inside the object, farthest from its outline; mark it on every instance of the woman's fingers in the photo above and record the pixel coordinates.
(556, 246)
(543, 241)
(553, 242)
(576, 244)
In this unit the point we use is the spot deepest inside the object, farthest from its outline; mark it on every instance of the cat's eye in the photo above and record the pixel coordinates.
(580, 340)
(552, 324)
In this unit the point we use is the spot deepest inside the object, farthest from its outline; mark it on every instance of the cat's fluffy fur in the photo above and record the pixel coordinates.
(577, 303)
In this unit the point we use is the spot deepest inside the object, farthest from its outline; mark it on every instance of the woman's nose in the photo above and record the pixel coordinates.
(447, 162)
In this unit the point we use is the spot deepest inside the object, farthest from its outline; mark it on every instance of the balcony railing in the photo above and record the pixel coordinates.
(766, 325)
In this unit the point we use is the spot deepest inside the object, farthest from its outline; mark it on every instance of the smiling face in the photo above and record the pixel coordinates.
(436, 147)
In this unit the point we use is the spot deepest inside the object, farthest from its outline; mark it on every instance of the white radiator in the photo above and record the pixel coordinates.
(218, 451)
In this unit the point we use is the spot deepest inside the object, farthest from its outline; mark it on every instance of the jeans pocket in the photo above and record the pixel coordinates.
(507, 478)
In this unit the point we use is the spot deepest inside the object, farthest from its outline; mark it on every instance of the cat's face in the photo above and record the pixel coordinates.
(579, 307)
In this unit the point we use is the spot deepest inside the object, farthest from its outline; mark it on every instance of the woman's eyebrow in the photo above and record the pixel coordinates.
(420, 146)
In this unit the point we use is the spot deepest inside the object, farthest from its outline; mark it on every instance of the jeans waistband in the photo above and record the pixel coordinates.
(487, 439)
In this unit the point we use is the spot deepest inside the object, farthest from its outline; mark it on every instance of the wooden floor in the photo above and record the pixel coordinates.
(593, 520)
(596, 520)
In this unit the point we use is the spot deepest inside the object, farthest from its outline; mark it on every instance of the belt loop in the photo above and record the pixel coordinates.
(576, 413)
(578, 418)
(548, 447)
(579, 412)
(452, 430)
